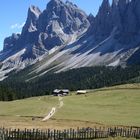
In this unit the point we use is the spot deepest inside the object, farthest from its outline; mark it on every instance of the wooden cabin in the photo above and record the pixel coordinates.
(60, 92)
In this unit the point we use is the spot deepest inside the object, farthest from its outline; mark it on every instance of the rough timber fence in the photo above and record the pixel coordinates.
(71, 134)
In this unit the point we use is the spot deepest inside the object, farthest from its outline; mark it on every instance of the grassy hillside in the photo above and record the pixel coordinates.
(113, 106)
(37, 106)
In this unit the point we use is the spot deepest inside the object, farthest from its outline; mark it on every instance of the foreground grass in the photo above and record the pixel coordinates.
(105, 107)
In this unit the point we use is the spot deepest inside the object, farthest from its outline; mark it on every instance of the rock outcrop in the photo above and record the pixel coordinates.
(10, 42)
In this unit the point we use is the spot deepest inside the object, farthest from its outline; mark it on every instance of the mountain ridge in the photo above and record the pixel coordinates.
(63, 37)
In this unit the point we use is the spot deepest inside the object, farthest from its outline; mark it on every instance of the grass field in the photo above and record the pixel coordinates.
(110, 106)
(113, 107)
(38, 106)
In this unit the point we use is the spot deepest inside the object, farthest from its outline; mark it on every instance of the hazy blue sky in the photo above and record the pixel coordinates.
(13, 13)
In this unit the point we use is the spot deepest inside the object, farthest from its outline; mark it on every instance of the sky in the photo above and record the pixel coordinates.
(13, 13)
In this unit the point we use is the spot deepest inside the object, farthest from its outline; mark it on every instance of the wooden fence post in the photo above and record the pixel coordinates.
(69, 134)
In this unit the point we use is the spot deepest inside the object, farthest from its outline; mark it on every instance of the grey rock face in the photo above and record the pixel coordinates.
(122, 15)
(59, 20)
(68, 16)
(129, 24)
(29, 31)
(10, 42)
(28, 34)
(52, 27)
(114, 29)
(136, 4)
(33, 15)
(59, 24)
(102, 25)
(91, 18)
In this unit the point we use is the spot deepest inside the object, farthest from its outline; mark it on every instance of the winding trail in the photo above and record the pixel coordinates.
(54, 109)
(50, 114)
(60, 101)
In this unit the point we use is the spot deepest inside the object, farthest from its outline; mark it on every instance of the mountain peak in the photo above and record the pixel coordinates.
(104, 8)
(34, 10)
(71, 4)
(105, 5)
(62, 15)
(32, 17)
(54, 4)
(91, 18)
(55, 1)
(10, 42)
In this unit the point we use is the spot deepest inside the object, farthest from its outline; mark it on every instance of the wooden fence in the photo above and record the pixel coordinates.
(71, 134)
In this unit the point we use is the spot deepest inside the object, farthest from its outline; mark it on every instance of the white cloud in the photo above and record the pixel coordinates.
(17, 26)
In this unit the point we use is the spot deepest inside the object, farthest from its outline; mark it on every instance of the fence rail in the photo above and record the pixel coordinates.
(70, 134)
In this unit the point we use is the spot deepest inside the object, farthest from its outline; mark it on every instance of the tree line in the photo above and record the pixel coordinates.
(16, 87)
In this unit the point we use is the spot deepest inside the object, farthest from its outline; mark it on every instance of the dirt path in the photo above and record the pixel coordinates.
(53, 110)
(50, 114)
(60, 101)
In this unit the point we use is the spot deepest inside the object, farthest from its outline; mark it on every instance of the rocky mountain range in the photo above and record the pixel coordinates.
(64, 37)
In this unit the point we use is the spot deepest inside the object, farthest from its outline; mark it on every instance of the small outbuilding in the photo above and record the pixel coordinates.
(56, 92)
(61, 92)
(81, 92)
